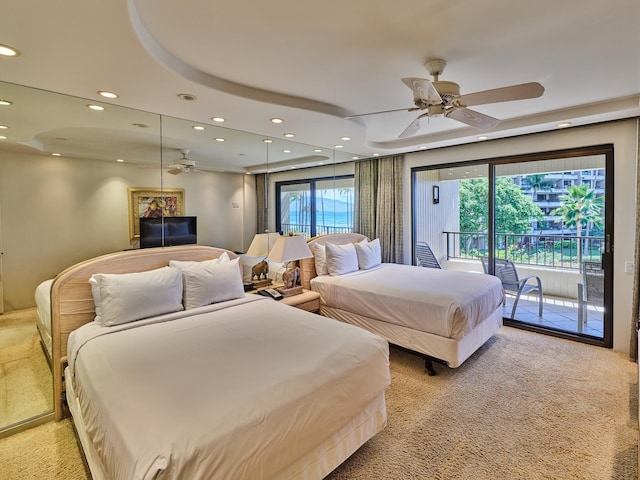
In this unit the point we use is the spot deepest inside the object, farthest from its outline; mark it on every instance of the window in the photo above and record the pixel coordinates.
(316, 206)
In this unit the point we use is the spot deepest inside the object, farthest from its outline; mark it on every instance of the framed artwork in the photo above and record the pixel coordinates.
(153, 203)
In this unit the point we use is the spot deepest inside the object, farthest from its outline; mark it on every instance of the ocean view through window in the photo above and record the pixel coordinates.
(316, 206)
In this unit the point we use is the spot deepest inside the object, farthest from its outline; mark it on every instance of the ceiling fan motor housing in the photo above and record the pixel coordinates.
(447, 90)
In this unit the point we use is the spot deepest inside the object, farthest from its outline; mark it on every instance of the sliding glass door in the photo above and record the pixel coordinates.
(541, 223)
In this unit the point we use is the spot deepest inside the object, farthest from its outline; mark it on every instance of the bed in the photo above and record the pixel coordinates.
(43, 313)
(443, 315)
(238, 388)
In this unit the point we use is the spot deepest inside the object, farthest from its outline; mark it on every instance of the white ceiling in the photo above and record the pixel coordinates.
(313, 62)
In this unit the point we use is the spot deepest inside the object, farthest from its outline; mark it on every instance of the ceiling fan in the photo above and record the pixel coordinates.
(443, 98)
(182, 165)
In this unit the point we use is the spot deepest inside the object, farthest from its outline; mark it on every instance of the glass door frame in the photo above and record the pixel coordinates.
(607, 150)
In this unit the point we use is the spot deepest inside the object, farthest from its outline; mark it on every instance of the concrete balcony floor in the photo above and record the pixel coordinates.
(557, 313)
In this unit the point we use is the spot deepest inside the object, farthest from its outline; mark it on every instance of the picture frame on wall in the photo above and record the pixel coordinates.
(153, 203)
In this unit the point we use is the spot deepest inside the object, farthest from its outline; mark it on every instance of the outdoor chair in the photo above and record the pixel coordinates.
(590, 290)
(506, 271)
(425, 256)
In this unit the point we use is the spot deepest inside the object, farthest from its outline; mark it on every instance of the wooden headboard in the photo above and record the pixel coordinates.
(308, 265)
(72, 301)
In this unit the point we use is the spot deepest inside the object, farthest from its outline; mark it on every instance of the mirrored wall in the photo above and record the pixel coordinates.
(71, 174)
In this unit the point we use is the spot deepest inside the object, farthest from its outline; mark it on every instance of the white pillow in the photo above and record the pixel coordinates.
(320, 256)
(212, 283)
(182, 264)
(369, 254)
(125, 297)
(341, 259)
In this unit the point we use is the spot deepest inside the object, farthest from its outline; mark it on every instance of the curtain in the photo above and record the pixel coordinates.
(635, 308)
(261, 201)
(378, 204)
(365, 184)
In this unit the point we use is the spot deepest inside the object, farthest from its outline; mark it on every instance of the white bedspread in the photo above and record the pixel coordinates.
(43, 309)
(239, 390)
(443, 302)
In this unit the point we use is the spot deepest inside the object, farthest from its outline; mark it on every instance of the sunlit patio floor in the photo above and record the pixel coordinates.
(557, 312)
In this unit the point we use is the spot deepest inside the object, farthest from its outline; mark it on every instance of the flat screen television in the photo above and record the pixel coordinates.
(168, 231)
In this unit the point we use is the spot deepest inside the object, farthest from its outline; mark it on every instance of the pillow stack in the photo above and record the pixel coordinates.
(211, 281)
(127, 297)
(331, 259)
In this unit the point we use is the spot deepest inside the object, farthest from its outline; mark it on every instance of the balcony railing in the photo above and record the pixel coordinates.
(305, 229)
(559, 251)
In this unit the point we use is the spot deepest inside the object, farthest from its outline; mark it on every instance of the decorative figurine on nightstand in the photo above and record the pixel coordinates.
(260, 270)
(291, 277)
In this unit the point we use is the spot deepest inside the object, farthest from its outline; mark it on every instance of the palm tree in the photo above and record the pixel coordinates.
(537, 181)
(580, 208)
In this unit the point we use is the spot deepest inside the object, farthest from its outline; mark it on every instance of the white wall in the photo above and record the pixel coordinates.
(59, 211)
(623, 135)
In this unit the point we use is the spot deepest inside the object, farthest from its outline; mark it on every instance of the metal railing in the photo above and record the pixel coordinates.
(305, 229)
(559, 251)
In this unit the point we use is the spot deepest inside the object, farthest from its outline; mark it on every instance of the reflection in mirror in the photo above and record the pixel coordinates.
(64, 173)
(57, 210)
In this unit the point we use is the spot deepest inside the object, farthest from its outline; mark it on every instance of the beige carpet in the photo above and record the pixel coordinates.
(526, 406)
(26, 387)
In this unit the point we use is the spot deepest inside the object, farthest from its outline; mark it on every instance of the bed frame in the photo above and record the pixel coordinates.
(432, 347)
(72, 301)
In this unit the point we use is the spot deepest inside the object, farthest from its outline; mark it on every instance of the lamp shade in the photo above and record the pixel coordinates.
(289, 248)
(262, 244)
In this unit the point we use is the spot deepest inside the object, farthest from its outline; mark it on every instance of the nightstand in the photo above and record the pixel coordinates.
(307, 300)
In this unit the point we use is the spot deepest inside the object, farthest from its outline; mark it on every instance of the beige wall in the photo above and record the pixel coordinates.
(623, 135)
(58, 211)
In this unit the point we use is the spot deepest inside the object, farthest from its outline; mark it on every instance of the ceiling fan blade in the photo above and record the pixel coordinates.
(504, 94)
(414, 127)
(423, 90)
(383, 111)
(473, 118)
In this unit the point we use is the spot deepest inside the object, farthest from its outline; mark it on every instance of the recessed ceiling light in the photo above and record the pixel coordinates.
(355, 157)
(346, 139)
(218, 119)
(219, 139)
(289, 135)
(56, 154)
(286, 151)
(106, 94)
(8, 51)
(97, 108)
(483, 137)
(292, 167)
(317, 150)
(2, 137)
(276, 120)
(267, 140)
(338, 146)
(563, 124)
(5, 102)
(3, 127)
(198, 127)
(375, 155)
(119, 160)
(422, 147)
(320, 163)
(140, 125)
(187, 96)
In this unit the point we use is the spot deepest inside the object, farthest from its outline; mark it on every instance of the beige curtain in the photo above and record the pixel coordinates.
(635, 309)
(365, 184)
(378, 204)
(261, 200)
